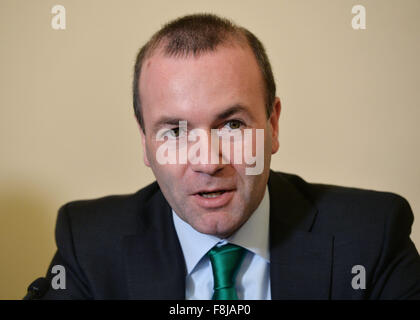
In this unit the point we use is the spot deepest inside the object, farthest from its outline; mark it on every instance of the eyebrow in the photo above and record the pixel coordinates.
(233, 109)
(236, 108)
(165, 120)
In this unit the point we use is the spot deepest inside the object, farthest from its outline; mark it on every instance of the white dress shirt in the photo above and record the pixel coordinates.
(253, 279)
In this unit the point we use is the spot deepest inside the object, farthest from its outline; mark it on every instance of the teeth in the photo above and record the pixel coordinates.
(211, 194)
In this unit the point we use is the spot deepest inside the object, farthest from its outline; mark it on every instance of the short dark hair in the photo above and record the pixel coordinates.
(196, 34)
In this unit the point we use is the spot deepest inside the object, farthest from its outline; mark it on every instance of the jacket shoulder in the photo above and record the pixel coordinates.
(106, 217)
(341, 208)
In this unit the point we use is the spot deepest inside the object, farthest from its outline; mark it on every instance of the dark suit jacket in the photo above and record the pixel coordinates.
(126, 246)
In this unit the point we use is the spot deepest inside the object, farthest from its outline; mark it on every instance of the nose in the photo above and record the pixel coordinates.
(209, 160)
(209, 169)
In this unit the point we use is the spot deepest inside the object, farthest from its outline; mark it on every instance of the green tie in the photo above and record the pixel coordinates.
(225, 261)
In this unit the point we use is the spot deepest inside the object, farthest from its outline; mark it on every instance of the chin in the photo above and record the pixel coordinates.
(217, 225)
(222, 234)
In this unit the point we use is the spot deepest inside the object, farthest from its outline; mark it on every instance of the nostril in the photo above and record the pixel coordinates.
(207, 168)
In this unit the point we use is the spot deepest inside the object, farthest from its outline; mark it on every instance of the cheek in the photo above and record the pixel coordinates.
(244, 182)
(254, 145)
(171, 175)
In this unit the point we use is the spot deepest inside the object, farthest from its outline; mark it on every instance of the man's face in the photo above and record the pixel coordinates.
(206, 92)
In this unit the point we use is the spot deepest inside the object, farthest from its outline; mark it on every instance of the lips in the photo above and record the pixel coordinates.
(213, 189)
(212, 193)
(213, 198)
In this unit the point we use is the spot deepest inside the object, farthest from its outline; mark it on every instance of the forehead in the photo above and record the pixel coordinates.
(201, 85)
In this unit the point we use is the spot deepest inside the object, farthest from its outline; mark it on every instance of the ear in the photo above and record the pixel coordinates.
(274, 123)
(143, 142)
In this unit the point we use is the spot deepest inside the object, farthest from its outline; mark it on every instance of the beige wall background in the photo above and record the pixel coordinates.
(350, 104)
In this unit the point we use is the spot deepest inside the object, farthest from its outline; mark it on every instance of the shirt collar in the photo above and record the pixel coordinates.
(253, 235)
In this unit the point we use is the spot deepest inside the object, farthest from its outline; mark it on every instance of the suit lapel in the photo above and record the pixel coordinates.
(300, 261)
(153, 257)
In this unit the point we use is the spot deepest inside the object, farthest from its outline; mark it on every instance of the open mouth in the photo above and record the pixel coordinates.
(213, 199)
(209, 195)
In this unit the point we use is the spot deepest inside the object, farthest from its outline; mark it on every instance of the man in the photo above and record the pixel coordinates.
(210, 229)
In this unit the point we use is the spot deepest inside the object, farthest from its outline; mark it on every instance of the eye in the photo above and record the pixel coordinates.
(175, 133)
(234, 124)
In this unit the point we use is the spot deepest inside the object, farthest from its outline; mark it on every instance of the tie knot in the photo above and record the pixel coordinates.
(226, 261)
